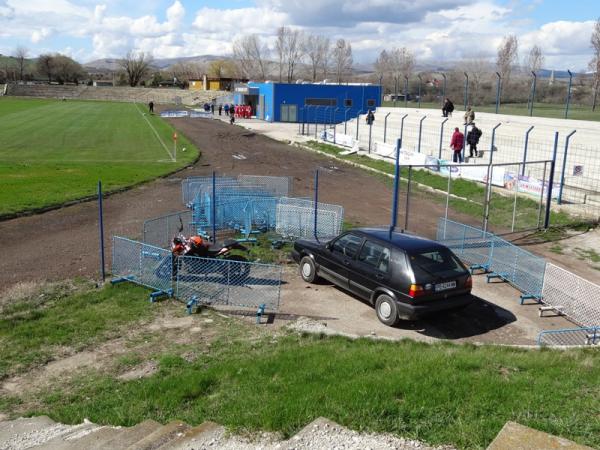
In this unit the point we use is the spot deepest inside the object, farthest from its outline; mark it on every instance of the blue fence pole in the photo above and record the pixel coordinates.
(466, 89)
(525, 149)
(498, 82)
(214, 206)
(533, 84)
(402, 127)
(316, 203)
(385, 127)
(396, 186)
(441, 137)
(551, 182)
(568, 98)
(101, 231)
(420, 133)
(564, 165)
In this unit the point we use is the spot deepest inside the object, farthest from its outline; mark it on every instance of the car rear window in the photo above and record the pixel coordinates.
(433, 264)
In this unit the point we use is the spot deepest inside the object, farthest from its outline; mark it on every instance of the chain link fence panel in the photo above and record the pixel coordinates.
(295, 218)
(572, 337)
(161, 230)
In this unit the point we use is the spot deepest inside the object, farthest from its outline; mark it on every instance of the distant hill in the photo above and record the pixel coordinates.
(112, 64)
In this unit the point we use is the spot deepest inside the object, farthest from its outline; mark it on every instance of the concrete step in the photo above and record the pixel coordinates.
(203, 435)
(97, 439)
(162, 436)
(24, 425)
(131, 435)
(70, 436)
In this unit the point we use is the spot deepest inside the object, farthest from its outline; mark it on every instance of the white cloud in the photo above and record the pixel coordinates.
(242, 20)
(39, 35)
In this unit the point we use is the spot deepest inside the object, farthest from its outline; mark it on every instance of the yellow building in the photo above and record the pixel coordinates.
(215, 84)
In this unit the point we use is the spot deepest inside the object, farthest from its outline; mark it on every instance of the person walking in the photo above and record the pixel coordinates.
(226, 108)
(151, 107)
(220, 108)
(370, 118)
(469, 116)
(447, 108)
(473, 139)
(456, 144)
(212, 109)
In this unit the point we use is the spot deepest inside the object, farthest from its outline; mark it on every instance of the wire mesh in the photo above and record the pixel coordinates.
(570, 337)
(472, 245)
(577, 298)
(141, 263)
(228, 282)
(161, 230)
(295, 218)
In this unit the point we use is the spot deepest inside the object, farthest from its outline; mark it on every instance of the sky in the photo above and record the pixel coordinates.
(436, 31)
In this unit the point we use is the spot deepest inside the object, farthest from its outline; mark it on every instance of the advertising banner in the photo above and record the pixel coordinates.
(340, 139)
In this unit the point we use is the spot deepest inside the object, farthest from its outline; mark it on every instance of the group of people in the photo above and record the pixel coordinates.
(458, 141)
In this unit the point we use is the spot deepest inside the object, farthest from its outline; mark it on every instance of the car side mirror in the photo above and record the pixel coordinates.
(329, 246)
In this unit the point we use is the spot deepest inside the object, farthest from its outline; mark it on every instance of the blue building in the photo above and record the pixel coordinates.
(284, 102)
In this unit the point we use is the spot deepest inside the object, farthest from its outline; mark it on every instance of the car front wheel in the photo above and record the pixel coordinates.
(308, 270)
(387, 310)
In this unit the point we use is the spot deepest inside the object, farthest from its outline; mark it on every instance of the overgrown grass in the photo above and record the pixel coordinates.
(33, 331)
(439, 393)
(471, 194)
(52, 152)
(552, 110)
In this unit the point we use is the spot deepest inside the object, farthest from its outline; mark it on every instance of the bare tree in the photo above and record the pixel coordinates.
(316, 48)
(342, 59)
(382, 66)
(45, 65)
(289, 46)
(595, 62)
(222, 68)
(136, 66)
(66, 69)
(251, 53)
(507, 57)
(21, 56)
(402, 62)
(478, 70)
(186, 71)
(535, 60)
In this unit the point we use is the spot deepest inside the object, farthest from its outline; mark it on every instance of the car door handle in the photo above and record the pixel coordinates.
(346, 262)
(379, 276)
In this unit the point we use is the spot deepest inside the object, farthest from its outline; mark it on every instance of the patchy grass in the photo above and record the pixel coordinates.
(558, 249)
(439, 393)
(35, 331)
(471, 195)
(587, 254)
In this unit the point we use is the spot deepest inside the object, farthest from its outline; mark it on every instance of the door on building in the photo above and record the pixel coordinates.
(289, 113)
(260, 110)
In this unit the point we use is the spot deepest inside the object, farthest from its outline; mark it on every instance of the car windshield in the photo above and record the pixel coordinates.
(434, 264)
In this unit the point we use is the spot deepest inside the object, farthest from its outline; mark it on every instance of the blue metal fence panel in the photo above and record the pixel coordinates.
(570, 337)
(472, 245)
(142, 264)
(227, 282)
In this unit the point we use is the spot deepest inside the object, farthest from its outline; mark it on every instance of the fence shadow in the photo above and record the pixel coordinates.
(219, 279)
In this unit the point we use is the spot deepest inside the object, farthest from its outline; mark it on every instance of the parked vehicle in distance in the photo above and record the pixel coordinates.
(401, 275)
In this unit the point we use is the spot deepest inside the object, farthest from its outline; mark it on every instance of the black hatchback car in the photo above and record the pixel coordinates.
(403, 276)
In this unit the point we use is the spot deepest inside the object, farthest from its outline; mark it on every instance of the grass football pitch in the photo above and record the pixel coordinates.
(52, 151)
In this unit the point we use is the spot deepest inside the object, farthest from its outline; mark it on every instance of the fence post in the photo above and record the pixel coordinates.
(406, 91)
(550, 182)
(447, 197)
(525, 149)
(498, 91)
(464, 149)
(595, 96)
(441, 137)
(419, 94)
(542, 196)
(346, 120)
(370, 129)
(385, 127)
(396, 186)
(512, 229)
(395, 90)
(533, 84)
(564, 165)
(466, 89)
(568, 98)
(402, 127)
(420, 133)
(488, 192)
(444, 91)
(101, 231)
(214, 206)
(357, 122)
(407, 208)
(316, 203)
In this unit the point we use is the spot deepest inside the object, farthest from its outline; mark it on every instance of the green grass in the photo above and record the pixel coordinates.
(551, 110)
(439, 393)
(52, 152)
(34, 331)
(472, 194)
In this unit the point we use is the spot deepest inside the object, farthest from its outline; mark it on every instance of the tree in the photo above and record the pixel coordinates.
(186, 71)
(45, 66)
(342, 59)
(595, 62)
(535, 60)
(382, 66)
(136, 66)
(290, 48)
(251, 53)
(222, 68)
(478, 70)
(66, 69)
(316, 49)
(507, 56)
(21, 56)
(402, 62)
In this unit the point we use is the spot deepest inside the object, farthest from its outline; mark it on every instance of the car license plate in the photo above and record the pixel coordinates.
(445, 286)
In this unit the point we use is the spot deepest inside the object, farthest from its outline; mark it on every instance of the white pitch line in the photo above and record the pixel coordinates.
(155, 132)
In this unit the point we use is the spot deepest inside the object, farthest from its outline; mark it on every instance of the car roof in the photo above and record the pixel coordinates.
(398, 239)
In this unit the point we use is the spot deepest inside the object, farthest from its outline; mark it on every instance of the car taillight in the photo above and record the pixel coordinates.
(469, 282)
(416, 290)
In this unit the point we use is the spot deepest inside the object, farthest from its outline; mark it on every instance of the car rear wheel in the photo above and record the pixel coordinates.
(387, 310)
(308, 270)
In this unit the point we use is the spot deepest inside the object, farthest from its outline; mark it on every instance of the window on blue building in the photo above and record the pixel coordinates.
(371, 103)
(348, 103)
(320, 102)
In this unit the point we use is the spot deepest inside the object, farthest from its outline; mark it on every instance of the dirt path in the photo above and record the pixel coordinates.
(64, 243)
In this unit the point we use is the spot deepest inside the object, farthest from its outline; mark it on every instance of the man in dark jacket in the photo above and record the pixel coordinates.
(447, 108)
(473, 139)
(370, 117)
